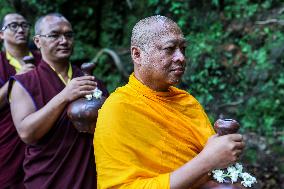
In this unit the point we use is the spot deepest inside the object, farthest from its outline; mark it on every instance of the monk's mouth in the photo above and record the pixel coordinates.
(178, 71)
(64, 50)
(20, 37)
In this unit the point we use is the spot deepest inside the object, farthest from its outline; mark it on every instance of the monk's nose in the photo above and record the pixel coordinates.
(179, 56)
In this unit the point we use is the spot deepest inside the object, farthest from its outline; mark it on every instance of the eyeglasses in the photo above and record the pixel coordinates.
(14, 26)
(57, 37)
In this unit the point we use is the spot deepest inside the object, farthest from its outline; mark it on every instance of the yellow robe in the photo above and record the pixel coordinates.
(143, 135)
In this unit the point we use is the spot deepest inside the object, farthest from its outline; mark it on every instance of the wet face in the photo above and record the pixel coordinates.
(162, 62)
(55, 40)
(15, 30)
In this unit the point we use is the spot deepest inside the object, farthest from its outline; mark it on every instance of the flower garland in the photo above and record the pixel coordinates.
(97, 93)
(234, 173)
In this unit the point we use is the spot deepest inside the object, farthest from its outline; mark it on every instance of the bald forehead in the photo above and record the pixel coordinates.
(160, 29)
(53, 22)
(13, 17)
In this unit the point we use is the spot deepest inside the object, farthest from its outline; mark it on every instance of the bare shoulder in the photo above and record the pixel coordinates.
(19, 93)
(21, 102)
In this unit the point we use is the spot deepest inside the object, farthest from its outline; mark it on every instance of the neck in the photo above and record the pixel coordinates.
(17, 51)
(60, 67)
(150, 83)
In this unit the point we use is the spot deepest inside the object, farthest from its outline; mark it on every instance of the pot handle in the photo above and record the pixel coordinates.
(88, 68)
(28, 60)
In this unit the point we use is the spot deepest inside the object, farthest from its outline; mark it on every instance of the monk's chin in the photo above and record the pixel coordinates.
(63, 59)
(65, 55)
(175, 81)
(21, 42)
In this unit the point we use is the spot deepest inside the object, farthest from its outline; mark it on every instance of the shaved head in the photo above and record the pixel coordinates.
(148, 29)
(12, 31)
(3, 21)
(40, 21)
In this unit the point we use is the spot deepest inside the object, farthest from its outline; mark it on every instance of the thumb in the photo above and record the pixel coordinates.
(213, 137)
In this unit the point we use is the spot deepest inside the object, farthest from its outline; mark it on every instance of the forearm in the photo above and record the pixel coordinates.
(34, 126)
(187, 175)
(3, 95)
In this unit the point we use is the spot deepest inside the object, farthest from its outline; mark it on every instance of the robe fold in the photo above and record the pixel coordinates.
(62, 158)
(12, 149)
(143, 135)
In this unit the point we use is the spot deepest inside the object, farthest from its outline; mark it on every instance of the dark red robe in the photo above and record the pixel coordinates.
(63, 158)
(12, 149)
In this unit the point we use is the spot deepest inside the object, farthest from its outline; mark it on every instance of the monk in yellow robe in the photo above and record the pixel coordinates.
(150, 134)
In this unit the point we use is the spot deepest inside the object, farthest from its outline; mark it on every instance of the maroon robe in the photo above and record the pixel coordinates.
(12, 149)
(63, 158)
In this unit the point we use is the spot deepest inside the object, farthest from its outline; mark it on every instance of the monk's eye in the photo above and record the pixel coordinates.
(53, 36)
(169, 49)
(14, 26)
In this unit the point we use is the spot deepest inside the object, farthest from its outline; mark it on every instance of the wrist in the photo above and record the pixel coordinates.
(205, 164)
(61, 99)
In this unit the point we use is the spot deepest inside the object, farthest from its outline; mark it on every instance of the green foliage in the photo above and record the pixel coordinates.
(6, 8)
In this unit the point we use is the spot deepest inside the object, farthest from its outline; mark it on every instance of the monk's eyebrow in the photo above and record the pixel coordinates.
(54, 31)
(177, 41)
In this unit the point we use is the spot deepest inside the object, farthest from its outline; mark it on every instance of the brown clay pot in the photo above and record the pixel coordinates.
(226, 126)
(215, 185)
(82, 112)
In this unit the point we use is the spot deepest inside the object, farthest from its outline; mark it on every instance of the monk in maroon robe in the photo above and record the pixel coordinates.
(57, 155)
(14, 33)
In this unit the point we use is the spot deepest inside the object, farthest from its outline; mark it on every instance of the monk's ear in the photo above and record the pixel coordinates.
(37, 41)
(136, 54)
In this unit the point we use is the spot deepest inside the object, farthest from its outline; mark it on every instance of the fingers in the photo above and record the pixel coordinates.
(239, 145)
(79, 87)
(84, 93)
(85, 85)
(237, 153)
(235, 137)
(88, 88)
(87, 82)
(87, 77)
(84, 80)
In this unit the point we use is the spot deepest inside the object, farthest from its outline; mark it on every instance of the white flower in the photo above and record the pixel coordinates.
(231, 169)
(248, 180)
(97, 93)
(233, 173)
(218, 175)
(218, 172)
(234, 176)
(89, 96)
(239, 167)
